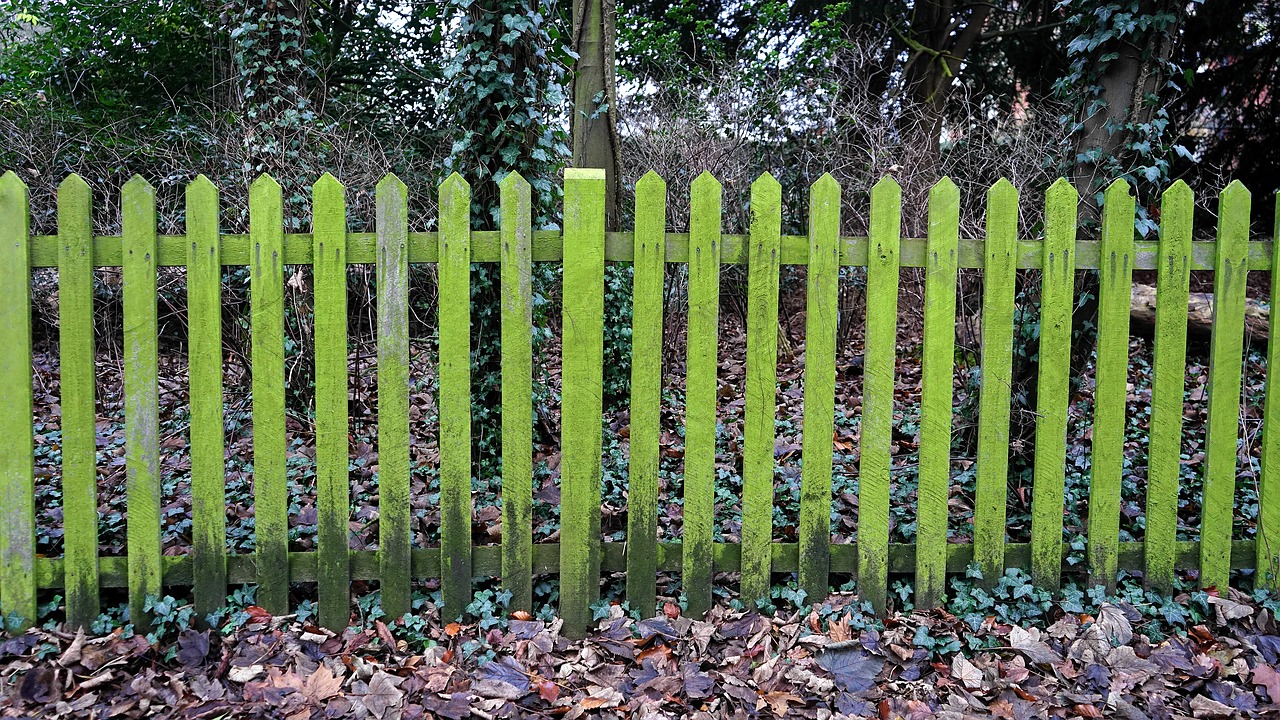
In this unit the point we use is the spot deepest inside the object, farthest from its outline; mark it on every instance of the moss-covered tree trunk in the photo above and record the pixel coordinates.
(594, 124)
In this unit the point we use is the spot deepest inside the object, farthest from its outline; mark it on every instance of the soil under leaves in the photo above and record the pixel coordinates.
(831, 662)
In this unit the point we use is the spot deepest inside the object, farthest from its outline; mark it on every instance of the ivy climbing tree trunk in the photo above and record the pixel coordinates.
(594, 124)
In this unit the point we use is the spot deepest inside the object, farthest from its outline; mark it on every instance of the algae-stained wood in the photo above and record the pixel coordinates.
(394, 532)
(1268, 544)
(700, 394)
(1226, 349)
(764, 248)
(646, 392)
(1111, 393)
(141, 394)
(817, 448)
(581, 399)
(1169, 372)
(266, 337)
(517, 390)
(937, 378)
(876, 455)
(1053, 383)
(455, 394)
(208, 464)
(79, 454)
(17, 469)
(333, 485)
(999, 278)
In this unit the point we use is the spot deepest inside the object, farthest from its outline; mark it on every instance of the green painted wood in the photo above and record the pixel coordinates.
(455, 393)
(76, 360)
(646, 392)
(701, 387)
(266, 336)
(517, 391)
(999, 279)
(208, 463)
(581, 401)
(1053, 384)
(17, 469)
(822, 311)
(141, 395)
(395, 538)
(762, 387)
(1111, 393)
(875, 453)
(333, 484)
(1226, 349)
(1268, 547)
(1164, 465)
(937, 379)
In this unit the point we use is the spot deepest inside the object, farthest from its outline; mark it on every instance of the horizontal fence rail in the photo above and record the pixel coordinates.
(580, 557)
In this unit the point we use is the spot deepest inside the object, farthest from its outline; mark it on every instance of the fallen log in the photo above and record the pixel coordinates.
(1200, 314)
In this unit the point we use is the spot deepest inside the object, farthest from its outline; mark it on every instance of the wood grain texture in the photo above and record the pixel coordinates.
(17, 468)
(1268, 563)
(1053, 384)
(208, 463)
(266, 337)
(822, 317)
(517, 391)
(333, 484)
(761, 387)
(141, 396)
(1226, 350)
(581, 399)
(395, 538)
(876, 456)
(999, 280)
(1112, 378)
(701, 387)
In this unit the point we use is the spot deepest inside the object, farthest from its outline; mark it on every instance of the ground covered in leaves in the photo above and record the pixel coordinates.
(832, 661)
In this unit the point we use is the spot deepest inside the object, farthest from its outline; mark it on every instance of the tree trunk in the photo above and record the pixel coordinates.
(594, 124)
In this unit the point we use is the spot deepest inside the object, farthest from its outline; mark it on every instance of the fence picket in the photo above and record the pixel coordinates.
(1268, 537)
(822, 308)
(141, 394)
(333, 484)
(517, 391)
(266, 338)
(701, 392)
(581, 400)
(394, 532)
(999, 279)
(937, 378)
(646, 392)
(764, 247)
(1226, 349)
(208, 464)
(876, 455)
(17, 462)
(455, 394)
(1052, 384)
(1169, 374)
(1111, 380)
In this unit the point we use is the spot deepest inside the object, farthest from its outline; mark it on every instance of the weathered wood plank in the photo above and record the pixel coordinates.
(1053, 384)
(1226, 350)
(517, 391)
(1268, 547)
(581, 397)
(822, 309)
(266, 337)
(876, 456)
(17, 468)
(646, 392)
(333, 484)
(395, 540)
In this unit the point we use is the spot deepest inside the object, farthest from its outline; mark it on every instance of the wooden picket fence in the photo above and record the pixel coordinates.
(583, 247)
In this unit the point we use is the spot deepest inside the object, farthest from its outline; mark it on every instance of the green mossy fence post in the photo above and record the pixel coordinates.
(1268, 539)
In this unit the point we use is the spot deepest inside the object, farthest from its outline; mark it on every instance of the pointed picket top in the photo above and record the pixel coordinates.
(886, 187)
(10, 182)
(706, 180)
(1236, 192)
(651, 178)
(201, 187)
(1063, 189)
(826, 184)
(73, 183)
(1119, 190)
(328, 183)
(513, 181)
(944, 189)
(766, 182)
(1003, 189)
(454, 183)
(138, 184)
(391, 183)
(264, 183)
(1179, 191)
